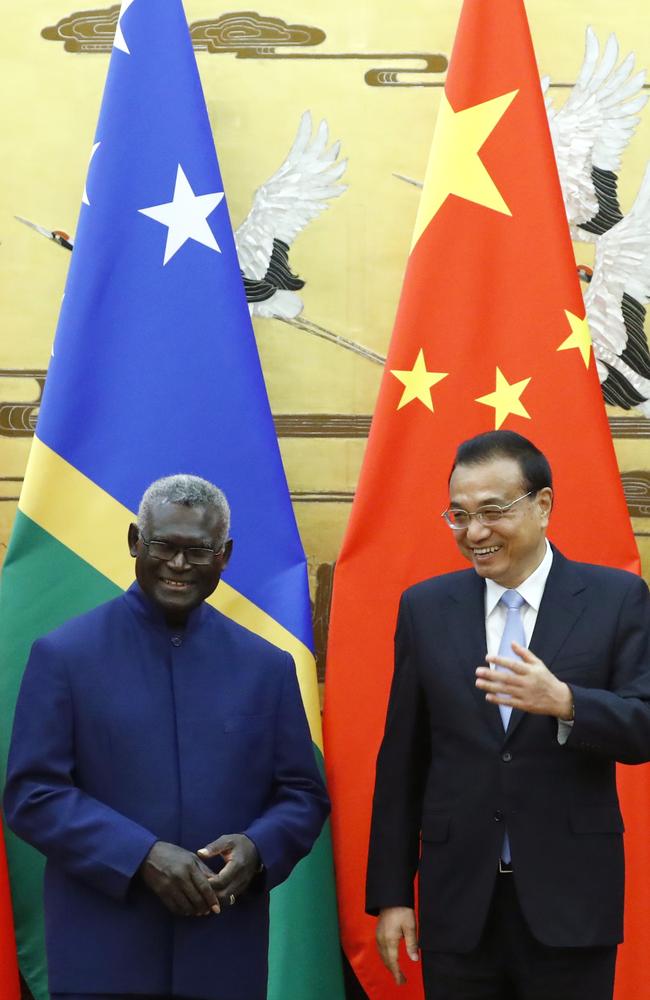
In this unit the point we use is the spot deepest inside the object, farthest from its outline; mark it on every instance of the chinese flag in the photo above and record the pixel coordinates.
(490, 332)
(9, 985)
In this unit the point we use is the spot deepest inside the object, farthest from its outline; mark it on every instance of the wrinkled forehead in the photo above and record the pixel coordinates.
(497, 480)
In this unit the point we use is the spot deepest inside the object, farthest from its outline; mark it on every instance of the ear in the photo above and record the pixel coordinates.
(545, 503)
(227, 552)
(133, 537)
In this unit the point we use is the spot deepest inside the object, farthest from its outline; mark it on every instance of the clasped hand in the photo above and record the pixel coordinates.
(188, 887)
(526, 684)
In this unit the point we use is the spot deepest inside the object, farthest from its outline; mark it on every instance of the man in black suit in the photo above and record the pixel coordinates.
(497, 782)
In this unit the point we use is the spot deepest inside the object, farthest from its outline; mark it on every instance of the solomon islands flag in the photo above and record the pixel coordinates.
(154, 371)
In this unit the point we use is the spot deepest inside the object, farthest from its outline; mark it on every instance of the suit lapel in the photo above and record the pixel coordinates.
(467, 620)
(563, 602)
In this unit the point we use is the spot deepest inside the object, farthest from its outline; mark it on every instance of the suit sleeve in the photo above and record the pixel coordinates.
(42, 804)
(402, 766)
(298, 805)
(616, 722)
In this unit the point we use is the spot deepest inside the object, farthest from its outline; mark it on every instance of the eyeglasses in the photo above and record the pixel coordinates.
(458, 519)
(166, 551)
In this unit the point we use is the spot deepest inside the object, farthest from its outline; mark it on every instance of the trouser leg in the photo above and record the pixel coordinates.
(510, 964)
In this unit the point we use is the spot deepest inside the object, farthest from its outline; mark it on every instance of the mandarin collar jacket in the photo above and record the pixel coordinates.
(127, 732)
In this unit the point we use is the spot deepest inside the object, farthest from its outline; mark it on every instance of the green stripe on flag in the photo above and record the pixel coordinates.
(43, 584)
(304, 952)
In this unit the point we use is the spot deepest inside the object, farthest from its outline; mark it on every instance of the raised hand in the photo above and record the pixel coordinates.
(526, 684)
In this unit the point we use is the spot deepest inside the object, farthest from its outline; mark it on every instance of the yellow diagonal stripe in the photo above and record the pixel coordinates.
(93, 525)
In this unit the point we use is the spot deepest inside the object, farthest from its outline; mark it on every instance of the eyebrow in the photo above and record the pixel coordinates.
(182, 545)
(498, 501)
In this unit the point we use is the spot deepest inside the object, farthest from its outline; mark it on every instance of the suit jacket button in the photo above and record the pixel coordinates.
(506, 756)
(498, 816)
(177, 640)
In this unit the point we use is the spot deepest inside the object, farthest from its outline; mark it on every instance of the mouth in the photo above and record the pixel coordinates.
(485, 551)
(178, 585)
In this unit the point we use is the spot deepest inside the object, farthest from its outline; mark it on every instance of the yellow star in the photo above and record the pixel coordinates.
(455, 166)
(579, 336)
(505, 399)
(417, 382)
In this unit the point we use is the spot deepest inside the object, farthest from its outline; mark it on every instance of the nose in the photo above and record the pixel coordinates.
(476, 531)
(178, 560)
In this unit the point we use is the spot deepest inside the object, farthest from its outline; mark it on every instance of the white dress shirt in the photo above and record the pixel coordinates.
(532, 591)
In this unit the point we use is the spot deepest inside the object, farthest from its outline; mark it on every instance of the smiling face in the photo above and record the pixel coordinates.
(175, 585)
(512, 548)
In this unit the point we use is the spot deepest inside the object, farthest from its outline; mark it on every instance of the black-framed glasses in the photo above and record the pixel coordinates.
(193, 554)
(459, 519)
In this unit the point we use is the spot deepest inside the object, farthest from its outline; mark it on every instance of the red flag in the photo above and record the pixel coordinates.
(490, 332)
(9, 984)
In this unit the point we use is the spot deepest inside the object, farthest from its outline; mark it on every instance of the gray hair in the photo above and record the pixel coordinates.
(191, 491)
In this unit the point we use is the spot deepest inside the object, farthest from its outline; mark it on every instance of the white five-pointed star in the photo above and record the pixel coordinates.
(186, 216)
(119, 42)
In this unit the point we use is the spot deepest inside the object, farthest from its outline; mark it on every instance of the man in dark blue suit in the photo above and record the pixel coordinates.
(497, 782)
(162, 762)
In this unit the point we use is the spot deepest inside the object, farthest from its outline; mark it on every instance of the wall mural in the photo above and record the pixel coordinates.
(323, 241)
(247, 35)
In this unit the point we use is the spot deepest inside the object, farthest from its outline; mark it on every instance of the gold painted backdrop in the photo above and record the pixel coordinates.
(373, 71)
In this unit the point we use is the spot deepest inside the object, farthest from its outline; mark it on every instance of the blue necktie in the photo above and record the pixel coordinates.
(513, 632)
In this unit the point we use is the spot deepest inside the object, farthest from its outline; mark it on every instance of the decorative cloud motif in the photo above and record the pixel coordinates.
(247, 34)
(85, 30)
(237, 31)
(247, 30)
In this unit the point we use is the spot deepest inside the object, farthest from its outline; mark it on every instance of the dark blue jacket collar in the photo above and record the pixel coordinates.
(147, 610)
